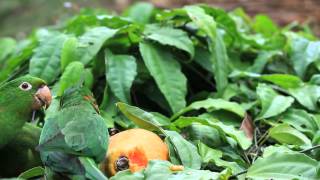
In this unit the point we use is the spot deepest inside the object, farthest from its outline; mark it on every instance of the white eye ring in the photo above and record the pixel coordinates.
(25, 86)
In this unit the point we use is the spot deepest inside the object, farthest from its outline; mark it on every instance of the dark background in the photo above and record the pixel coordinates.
(19, 17)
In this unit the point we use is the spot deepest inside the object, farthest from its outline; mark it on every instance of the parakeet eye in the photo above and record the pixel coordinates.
(25, 86)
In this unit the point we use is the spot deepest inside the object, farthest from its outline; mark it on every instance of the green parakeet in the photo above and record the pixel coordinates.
(20, 154)
(18, 98)
(75, 138)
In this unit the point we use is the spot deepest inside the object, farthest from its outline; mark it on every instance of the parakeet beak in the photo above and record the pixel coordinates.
(42, 98)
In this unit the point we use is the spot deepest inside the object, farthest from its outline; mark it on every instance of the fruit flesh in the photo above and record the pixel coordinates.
(138, 145)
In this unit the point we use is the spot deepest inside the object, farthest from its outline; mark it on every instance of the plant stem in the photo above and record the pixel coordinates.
(310, 149)
(240, 173)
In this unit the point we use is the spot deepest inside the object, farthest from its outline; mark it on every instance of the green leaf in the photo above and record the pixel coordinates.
(128, 175)
(303, 53)
(71, 76)
(157, 169)
(88, 78)
(285, 134)
(285, 81)
(271, 102)
(284, 165)
(161, 119)
(167, 74)
(264, 25)
(187, 152)
(170, 36)
(223, 129)
(91, 42)
(221, 65)
(140, 117)
(213, 105)
(23, 54)
(202, 57)
(120, 72)
(32, 173)
(315, 79)
(7, 46)
(206, 134)
(210, 155)
(140, 12)
(204, 22)
(261, 61)
(217, 47)
(45, 63)
(307, 95)
(173, 155)
(68, 52)
(269, 150)
(301, 120)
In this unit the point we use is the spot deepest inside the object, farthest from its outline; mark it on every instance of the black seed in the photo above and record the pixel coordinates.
(113, 131)
(122, 163)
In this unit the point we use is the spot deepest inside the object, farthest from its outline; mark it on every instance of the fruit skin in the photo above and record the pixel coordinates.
(138, 145)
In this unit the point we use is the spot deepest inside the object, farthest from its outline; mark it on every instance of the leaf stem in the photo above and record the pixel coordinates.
(310, 149)
(238, 174)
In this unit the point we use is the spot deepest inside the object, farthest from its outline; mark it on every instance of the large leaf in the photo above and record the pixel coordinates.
(303, 54)
(32, 173)
(217, 47)
(307, 95)
(140, 12)
(162, 170)
(202, 57)
(167, 74)
(261, 61)
(91, 42)
(128, 175)
(173, 154)
(23, 53)
(45, 63)
(264, 25)
(271, 102)
(285, 134)
(157, 169)
(140, 117)
(223, 129)
(7, 46)
(213, 105)
(68, 52)
(285, 81)
(120, 72)
(170, 36)
(187, 151)
(210, 155)
(301, 120)
(284, 165)
(71, 76)
(206, 134)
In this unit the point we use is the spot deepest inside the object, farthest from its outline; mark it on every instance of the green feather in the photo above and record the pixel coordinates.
(16, 106)
(20, 155)
(74, 136)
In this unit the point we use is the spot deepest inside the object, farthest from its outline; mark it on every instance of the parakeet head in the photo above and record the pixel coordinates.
(26, 92)
(78, 95)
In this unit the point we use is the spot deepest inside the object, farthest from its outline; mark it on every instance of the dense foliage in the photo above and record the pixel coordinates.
(231, 95)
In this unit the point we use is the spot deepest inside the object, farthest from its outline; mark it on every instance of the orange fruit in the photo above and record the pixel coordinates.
(132, 149)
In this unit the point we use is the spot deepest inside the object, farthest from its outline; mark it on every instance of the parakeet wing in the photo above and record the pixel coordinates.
(85, 132)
